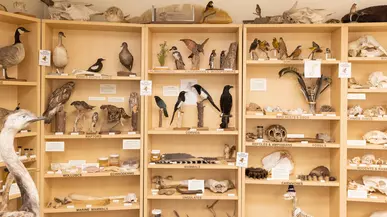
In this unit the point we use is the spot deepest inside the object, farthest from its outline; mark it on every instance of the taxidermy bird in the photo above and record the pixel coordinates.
(222, 59)
(264, 47)
(180, 65)
(115, 114)
(209, 6)
(275, 44)
(212, 59)
(283, 51)
(30, 197)
(3, 8)
(225, 106)
(352, 11)
(253, 47)
(296, 53)
(194, 47)
(82, 107)
(60, 57)
(315, 49)
(94, 120)
(97, 67)
(14, 54)
(57, 99)
(204, 95)
(115, 14)
(180, 101)
(126, 58)
(161, 104)
(258, 11)
(66, 10)
(5, 112)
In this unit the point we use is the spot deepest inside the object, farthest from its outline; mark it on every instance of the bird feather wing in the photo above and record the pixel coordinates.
(301, 82)
(191, 45)
(9, 56)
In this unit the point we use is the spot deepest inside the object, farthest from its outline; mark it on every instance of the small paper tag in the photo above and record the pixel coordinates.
(64, 74)
(127, 204)
(304, 142)
(258, 84)
(74, 134)
(45, 58)
(130, 144)
(195, 184)
(231, 164)
(89, 205)
(242, 159)
(131, 133)
(259, 140)
(132, 76)
(356, 142)
(359, 194)
(291, 135)
(23, 131)
(319, 115)
(33, 156)
(116, 201)
(356, 96)
(259, 113)
(280, 173)
(116, 99)
(154, 191)
(58, 133)
(170, 90)
(145, 88)
(70, 207)
(96, 98)
(112, 133)
(107, 88)
(220, 130)
(231, 195)
(345, 70)
(312, 69)
(55, 146)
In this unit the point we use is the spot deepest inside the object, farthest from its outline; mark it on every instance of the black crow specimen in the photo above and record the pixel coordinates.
(225, 106)
(161, 104)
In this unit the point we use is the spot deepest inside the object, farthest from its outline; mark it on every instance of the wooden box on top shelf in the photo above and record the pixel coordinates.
(206, 140)
(114, 91)
(265, 88)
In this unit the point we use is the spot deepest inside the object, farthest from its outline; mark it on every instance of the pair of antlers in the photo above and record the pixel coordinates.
(211, 209)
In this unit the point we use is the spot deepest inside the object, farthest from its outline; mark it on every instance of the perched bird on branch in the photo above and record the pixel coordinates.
(296, 53)
(276, 44)
(204, 95)
(194, 47)
(57, 99)
(283, 51)
(161, 104)
(315, 49)
(180, 65)
(82, 107)
(96, 67)
(115, 114)
(258, 11)
(179, 103)
(253, 48)
(226, 106)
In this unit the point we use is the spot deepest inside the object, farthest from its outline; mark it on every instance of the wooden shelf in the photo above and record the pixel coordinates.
(193, 72)
(208, 195)
(374, 198)
(92, 136)
(367, 168)
(195, 133)
(2, 164)
(291, 145)
(292, 117)
(102, 78)
(91, 175)
(28, 134)
(291, 28)
(192, 166)
(378, 90)
(8, 17)
(287, 62)
(368, 147)
(93, 26)
(367, 59)
(93, 209)
(194, 28)
(368, 119)
(17, 83)
(291, 182)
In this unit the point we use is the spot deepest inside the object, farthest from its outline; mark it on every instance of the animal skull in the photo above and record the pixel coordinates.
(276, 133)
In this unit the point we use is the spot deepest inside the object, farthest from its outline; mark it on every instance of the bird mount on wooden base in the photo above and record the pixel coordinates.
(225, 122)
(161, 113)
(10, 79)
(126, 74)
(179, 121)
(195, 59)
(60, 121)
(200, 125)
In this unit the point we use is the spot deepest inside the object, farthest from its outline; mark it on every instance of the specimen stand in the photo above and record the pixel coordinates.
(60, 120)
(200, 107)
(179, 121)
(195, 61)
(134, 120)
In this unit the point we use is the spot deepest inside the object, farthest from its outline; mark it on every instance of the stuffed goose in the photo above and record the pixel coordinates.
(60, 57)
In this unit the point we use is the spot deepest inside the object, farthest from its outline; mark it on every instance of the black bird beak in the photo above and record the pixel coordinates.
(103, 59)
(231, 86)
(25, 30)
(37, 119)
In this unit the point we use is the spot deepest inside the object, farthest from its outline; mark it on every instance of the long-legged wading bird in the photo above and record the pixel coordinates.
(14, 54)
(226, 105)
(180, 101)
(204, 95)
(57, 99)
(15, 122)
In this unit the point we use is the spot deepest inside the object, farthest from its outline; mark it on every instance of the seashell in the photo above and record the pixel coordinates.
(377, 79)
(278, 159)
(376, 137)
(368, 159)
(374, 111)
(320, 171)
(254, 107)
(355, 110)
(355, 160)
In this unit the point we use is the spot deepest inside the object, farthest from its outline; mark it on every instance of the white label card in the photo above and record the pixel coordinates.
(129, 144)
(97, 98)
(77, 162)
(116, 99)
(45, 58)
(290, 135)
(170, 91)
(345, 70)
(356, 96)
(312, 69)
(360, 194)
(145, 88)
(280, 173)
(356, 142)
(258, 84)
(107, 89)
(242, 159)
(191, 95)
(55, 146)
(196, 185)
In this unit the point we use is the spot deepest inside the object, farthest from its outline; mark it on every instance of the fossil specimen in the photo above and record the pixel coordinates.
(325, 137)
(276, 133)
(368, 159)
(375, 111)
(298, 111)
(366, 46)
(376, 182)
(376, 137)
(256, 173)
(253, 107)
(377, 79)
(278, 159)
(305, 15)
(355, 110)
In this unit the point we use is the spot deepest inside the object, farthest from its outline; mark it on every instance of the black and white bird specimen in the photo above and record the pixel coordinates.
(60, 57)
(180, 65)
(57, 99)
(209, 6)
(204, 95)
(180, 101)
(97, 67)
(161, 104)
(14, 54)
(126, 58)
(222, 59)
(212, 59)
(226, 106)
(115, 114)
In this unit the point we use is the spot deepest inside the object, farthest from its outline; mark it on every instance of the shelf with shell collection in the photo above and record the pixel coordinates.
(366, 137)
(292, 139)
(93, 133)
(19, 51)
(186, 135)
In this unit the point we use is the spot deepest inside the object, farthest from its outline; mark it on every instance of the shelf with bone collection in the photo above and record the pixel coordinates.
(366, 136)
(292, 145)
(200, 148)
(22, 92)
(97, 136)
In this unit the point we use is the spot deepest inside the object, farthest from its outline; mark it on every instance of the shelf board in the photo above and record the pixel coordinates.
(291, 182)
(103, 78)
(135, 206)
(378, 90)
(369, 119)
(185, 132)
(288, 62)
(28, 134)
(367, 59)
(94, 136)
(193, 72)
(374, 198)
(17, 83)
(367, 168)
(192, 166)
(291, 145)
(292, 117)
(2, 164)
(91, 175)
(18, 19)
(194, 28)
(368, 147)
(208, 195)
(291, 28)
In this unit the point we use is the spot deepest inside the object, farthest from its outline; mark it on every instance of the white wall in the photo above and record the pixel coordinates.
(238, 9)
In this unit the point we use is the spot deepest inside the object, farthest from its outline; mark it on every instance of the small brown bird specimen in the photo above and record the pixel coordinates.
(258, 11)
(275, 44)
(253, 48)
(115, 114)
(296, 53)
(283, 51)
(352, 11)
(264, 47)
(193, 46)
(209, 6)
(315, 49)
(209, 11)
(57, 99)
(82, 107)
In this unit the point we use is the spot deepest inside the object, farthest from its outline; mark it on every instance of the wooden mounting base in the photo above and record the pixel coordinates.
(161, 68)
(126, 74)
(108, 132)
(79, 132)
(3, 79)
(200, 128)
(181, 128)
(229, 129)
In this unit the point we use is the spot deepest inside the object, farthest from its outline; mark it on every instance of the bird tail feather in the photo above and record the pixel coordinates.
(173, 116)
(165, 113)
(213, 104)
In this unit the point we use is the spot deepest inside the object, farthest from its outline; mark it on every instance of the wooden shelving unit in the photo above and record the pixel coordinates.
(85, 43)
(198, 143)
(260, 196)
(27, 93)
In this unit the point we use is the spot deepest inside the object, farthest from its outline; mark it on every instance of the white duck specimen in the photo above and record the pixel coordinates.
(14, 54)
(60, 57)
(30, 198)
